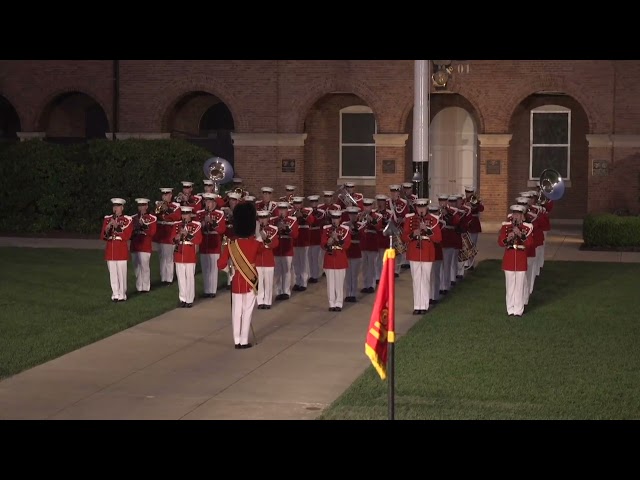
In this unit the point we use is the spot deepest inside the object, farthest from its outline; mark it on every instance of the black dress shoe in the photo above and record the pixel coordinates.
(422, 312)
(302, 289)
(337, 309)
(405, 266)
(237, 347)
(296, 288)
(416, 312)
(268, 307)
(189, 305)
(260, 307)
(313, 280)
(365, 290)
(114, 300)
(183, 304)
(460, 277)
(246, 345)
(285, 296)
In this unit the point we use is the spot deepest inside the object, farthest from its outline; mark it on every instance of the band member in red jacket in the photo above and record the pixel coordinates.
(369, 244)
(116, 231)
(336, 239)
(168, 214)
(421, 231)
(301, 244)
(436, 268)
(265, 262)
(288, 229)
(187, 234)
(144, 229)
(213, 227)
(354, 252)
(239, 255)
(451, 241)
(266, 203)
(515, 236)
(474, 226)
(315, 233)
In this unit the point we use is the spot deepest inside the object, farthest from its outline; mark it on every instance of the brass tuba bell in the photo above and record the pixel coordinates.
(551, 185)
(219, 171)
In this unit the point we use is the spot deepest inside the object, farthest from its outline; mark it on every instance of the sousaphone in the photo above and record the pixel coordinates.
(219, 171)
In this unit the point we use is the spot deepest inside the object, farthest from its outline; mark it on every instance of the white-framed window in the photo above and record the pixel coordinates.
(357, 144)
(550, 134)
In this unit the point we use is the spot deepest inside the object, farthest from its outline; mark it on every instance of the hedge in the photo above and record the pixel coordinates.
(611, 231)
(48, 187)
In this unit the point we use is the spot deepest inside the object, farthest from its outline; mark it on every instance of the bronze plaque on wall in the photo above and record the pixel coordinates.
(288, 166)
(388, 166)
(493, 167)
(600, 168)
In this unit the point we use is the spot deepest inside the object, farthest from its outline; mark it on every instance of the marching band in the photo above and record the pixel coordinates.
(341, 238)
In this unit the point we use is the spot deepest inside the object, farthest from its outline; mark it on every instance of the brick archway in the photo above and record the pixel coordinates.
(177, 90)
(45, 105)
(7, 100)
(547, 83)
(319, 89)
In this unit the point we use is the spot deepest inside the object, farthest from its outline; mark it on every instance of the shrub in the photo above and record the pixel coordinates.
(48, 187)
(611, 231)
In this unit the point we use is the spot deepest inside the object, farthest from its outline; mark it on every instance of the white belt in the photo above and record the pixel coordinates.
(285, 236)
(165, 223)
(516, 247)
(370, 231)
(303, 226)
(186, 242)
(424, 237)
(210, 233)
(115, 238)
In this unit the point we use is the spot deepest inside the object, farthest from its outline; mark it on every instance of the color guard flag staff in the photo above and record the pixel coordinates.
(379, 345)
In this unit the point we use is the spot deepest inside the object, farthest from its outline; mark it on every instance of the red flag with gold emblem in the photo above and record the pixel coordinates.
(381, 324)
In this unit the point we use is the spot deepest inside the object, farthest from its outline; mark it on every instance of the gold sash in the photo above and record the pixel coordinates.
(240, 262)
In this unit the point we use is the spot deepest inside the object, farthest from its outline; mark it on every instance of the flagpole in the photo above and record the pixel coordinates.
(391, 330)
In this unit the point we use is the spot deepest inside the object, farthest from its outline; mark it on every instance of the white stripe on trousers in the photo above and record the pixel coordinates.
(401, 259)
(369, 269)
(421, 275)
(301, 265)
(335, 286)
(314, 261)
(531, 274)
(351, 276)
(436, 275)
(242, 305)
(165, 252)
(186, 274)
(118, 279)
(209, 262)
(454, 265)
(140, 262)
(265, 285)
(282, 275)
(539, 256)
(515, 283)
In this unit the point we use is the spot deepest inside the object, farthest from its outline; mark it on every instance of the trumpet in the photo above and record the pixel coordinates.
(183, 235)
(181, 198)
(474, 200)
(162, 206)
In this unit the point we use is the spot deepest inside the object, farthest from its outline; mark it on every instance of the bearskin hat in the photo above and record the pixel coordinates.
(244, 219)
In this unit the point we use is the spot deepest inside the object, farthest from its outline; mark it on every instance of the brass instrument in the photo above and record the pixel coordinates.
(181, 198)
(391, 230)
(140, 226)
(551, 186)
(183, 236)
(219, 171)
(337, 241)
(474, 200)
(423, 227)
(346, 197)
(111, 226)
(162, 206)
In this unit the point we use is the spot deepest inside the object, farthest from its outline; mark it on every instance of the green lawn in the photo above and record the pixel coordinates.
(575, 354)
(53, 301)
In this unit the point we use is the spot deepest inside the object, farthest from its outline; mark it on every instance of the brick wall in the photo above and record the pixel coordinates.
(268, 96)
(188, 113)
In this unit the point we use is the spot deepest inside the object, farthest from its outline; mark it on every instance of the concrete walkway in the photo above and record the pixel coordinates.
(182, 364)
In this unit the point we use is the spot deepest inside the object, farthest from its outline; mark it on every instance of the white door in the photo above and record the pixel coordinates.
(452, 141)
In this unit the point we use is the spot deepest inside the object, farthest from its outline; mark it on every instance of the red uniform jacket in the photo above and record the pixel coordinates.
(356, 232)
(287, 235)
(336, 258)
(265, 256)
(450, 237)
(250, 247)
(213, 227)
(166, 221)
(143, 232)
(358, 197)
(194, 201)
(515, 254)
(185, 251)
(261, 205)
(315, 229)
(421, 248)
(400, 208)
(473, 224)
(533, 217)
(117, 247)
(369, 236)
(305, 221)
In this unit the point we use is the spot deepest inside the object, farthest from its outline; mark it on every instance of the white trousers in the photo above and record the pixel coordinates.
(313, 256)
(461, 270)
(515, 288)
(472, 261)
(539, 257)
(455, 265)
(436, 273)
(321, 260)
(301, 265)
(265, 285)
(335, 286)
(351, 276)
(186, 274)
(379, 258)
(282, 275)
(242, 305)
(209, 262)
(421, 275)
(449, 261)
(542, 256)
(140, 262)
(531, 273)
(369, 269)
(118, 279)
(165, 252)
(401, 259)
